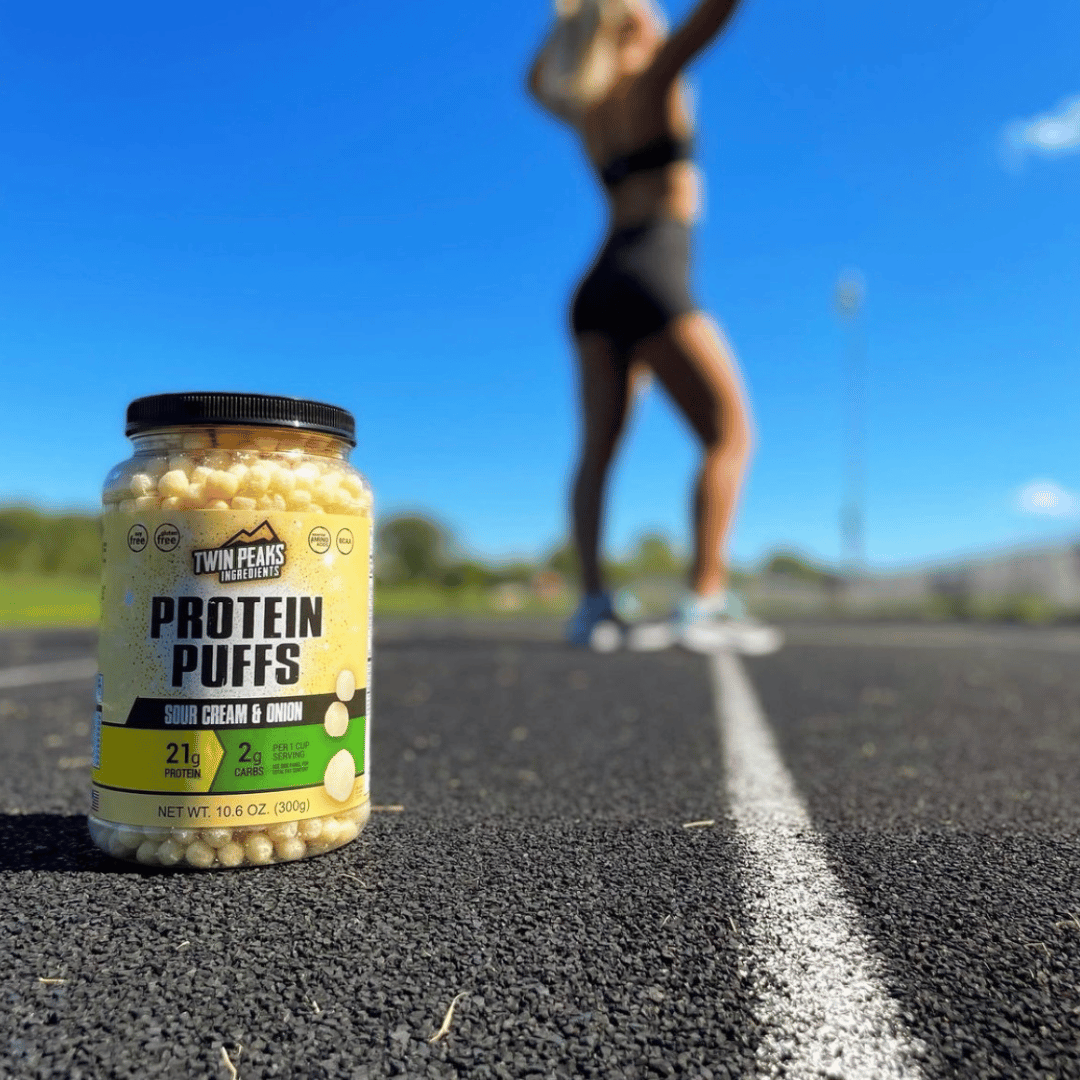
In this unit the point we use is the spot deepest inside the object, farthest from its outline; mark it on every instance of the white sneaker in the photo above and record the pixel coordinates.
(713, 623)
(594, 625)
(651, 636)
(707, 624)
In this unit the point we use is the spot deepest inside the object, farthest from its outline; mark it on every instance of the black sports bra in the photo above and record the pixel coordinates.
(655, 154)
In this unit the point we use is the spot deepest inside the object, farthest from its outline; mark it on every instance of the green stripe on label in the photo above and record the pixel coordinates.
(260, 759)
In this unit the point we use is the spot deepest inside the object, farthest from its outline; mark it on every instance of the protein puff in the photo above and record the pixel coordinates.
(232, 720)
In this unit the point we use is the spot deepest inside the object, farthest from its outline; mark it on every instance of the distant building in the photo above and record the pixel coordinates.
(1048, 574)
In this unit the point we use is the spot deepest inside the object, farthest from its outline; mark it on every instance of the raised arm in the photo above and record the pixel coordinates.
(554, 68)
(536, 83)
(532, 80)
(697, 31)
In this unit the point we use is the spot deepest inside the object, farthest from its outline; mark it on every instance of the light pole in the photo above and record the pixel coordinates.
(848, 299)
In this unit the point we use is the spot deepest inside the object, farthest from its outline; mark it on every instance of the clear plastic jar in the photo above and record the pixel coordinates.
(232, 720)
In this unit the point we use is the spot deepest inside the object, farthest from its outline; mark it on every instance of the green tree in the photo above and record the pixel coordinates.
(411, 547)
(35, 541)
(797, 568)
(468, 574)
(517, 571)
(654, 557)
(564, 560)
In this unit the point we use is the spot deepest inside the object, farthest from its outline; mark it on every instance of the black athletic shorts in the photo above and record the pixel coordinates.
(638, 284)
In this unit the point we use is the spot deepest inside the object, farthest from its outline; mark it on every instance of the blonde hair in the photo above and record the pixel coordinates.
(611, 11)
(582, 61)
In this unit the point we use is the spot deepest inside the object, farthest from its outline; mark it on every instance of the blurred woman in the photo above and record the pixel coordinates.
(613, 73)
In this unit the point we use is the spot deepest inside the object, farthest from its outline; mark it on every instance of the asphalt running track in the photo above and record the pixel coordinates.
(856, 858)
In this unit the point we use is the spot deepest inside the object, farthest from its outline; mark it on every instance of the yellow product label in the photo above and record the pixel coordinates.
(234, 667)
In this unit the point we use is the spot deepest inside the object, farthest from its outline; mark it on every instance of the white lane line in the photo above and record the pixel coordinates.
(57, 671)
(821, 1005)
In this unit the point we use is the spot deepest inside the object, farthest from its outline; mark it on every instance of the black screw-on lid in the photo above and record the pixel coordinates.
(256, 410)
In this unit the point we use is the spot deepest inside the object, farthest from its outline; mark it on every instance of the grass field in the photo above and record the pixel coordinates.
(39, 601)
(35, 600)
(421, 599)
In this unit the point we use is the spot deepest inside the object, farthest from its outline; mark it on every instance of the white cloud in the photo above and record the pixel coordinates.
(1048, 498)
(1048, 134)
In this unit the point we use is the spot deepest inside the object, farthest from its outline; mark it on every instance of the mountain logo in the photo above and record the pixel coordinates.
(264, 534)
(249, 555)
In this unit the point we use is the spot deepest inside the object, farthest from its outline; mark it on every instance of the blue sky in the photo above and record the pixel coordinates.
(363, 207)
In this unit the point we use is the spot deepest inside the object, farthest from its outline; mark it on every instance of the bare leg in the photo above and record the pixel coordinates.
(605, 399)
(696, 367)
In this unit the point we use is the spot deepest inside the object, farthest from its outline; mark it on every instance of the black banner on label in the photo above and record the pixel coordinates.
(169, 713)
